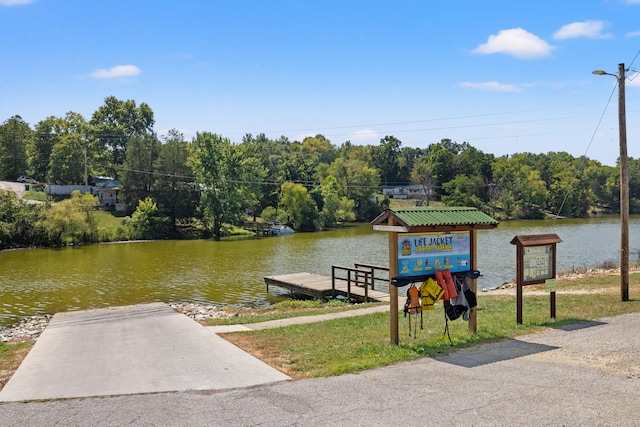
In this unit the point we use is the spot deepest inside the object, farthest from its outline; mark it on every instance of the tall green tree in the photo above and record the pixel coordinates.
(66, 163)
(520, 186)
(137, 175)
(299, 206)
(407, 159)
(39, 153)
(473, 162)
(297, 166)
(463, 190)
(336, 207)
(113, 124)
(319, 148)
(385, 158)
(358, 182)
(49, 133)
(174, 189)
(15, 137)
(228, 179)
(441, 164)
(422, 175)
(271, 154)
(597, 178)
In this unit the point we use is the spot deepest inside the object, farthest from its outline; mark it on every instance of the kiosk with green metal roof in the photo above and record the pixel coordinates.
(424, 239)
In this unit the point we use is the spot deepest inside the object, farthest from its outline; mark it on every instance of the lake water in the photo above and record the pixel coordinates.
(38, 281)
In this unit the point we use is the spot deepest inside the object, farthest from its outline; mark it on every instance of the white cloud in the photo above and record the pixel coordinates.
(633, 1)
(491, 86)
(15, 2)
(363, 135)
(634, 33)
(633, 80)
(589, 29)
(117, 71)
(517, 42)
(302, 136)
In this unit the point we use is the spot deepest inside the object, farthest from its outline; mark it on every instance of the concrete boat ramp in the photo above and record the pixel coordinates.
(147, 348)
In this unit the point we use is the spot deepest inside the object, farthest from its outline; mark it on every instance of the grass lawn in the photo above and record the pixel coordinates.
(107, 219)
(354, 344)
(11, 355)
(37, 195)
(285, 309)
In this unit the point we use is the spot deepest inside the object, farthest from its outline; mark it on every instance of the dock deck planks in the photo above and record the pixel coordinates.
(318, 286)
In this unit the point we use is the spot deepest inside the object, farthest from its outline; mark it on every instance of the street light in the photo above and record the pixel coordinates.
(624, 183)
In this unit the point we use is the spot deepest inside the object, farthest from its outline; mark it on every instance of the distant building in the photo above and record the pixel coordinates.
(412, 191)
(107, 191)
(105, 188)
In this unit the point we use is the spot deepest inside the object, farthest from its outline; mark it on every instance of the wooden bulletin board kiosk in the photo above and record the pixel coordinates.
(535, 264)
(453, 227)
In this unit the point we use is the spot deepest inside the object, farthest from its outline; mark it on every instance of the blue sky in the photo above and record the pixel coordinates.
(505, 76)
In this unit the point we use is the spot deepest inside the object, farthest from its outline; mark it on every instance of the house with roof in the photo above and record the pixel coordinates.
(106, 189)
(412, 191)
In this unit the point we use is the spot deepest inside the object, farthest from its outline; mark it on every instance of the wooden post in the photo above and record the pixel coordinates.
(519, 280)
(473, 284)
(519, 304)
(393, 290)
(333, 281)
(624, 188)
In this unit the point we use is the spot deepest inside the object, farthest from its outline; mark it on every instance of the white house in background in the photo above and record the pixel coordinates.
(412, 191)
(105, 188)
(107, 192)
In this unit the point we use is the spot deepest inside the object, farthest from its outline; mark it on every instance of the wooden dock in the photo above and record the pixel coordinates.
(353, 283)
(260, 228)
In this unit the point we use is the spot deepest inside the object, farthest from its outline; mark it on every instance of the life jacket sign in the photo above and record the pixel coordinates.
(425, 253)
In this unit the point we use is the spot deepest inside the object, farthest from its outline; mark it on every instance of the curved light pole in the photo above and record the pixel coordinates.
(624, 182)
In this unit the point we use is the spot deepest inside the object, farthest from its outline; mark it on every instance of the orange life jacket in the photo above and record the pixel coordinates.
(413, 295)
(446, 282)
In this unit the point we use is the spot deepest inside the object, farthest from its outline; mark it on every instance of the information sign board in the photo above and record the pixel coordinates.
(538, 263)
(423, 253)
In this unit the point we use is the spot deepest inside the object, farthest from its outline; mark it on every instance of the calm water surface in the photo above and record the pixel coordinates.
(38, 281)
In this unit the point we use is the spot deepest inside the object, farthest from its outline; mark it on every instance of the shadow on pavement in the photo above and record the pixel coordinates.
(494, 352)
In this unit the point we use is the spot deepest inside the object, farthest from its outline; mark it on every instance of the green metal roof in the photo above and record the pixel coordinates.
(437, 217)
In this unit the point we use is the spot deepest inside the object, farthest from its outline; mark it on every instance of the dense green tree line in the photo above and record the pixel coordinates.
(311, 184)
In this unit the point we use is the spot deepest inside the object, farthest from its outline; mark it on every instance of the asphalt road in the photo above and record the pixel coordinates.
(584, 375)
(16, 187)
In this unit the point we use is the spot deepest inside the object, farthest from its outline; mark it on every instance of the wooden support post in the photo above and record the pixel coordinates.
(366, 287)
(333, 281)
(519, 280)
(393, 290)
(473, 285)
(519, 304)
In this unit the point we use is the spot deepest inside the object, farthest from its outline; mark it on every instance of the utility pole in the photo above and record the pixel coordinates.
(624, 182)
(86, 176)
(624, 188)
